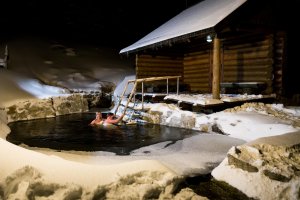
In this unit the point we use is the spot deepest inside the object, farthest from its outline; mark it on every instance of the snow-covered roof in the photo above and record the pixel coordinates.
(201, 16)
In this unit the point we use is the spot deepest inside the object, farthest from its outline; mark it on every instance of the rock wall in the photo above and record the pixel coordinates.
(71, 104)
(44, 108)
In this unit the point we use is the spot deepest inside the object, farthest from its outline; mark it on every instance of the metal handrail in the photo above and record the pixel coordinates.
(142, 80)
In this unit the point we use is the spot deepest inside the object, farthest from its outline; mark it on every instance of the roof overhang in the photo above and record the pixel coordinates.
(198, 19)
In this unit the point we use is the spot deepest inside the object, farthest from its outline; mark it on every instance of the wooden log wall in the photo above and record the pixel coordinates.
(197, 70)
(248, 59)
(153, 66)
(279, 62)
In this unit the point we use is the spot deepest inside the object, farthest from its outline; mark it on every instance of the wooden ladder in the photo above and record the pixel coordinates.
(142, 80)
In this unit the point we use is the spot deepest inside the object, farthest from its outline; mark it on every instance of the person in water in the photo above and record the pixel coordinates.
(111, 119)
(98, 120)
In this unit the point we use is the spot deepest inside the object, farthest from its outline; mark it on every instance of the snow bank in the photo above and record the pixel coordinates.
(264, 171)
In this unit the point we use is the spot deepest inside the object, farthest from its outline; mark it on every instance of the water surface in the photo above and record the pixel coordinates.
(72, 132)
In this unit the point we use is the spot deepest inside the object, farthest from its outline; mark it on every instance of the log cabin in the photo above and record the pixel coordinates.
(223, 46)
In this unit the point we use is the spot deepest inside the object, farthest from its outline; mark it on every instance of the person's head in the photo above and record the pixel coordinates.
(110, 115)
(98, 115)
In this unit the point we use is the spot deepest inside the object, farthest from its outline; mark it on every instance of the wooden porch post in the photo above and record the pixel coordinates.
(216, 69)
(136, 64)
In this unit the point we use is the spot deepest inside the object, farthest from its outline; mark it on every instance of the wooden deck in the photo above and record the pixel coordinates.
(204, 102)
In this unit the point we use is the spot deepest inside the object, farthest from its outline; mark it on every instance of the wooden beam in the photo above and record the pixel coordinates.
(153, 79)
(216, 69)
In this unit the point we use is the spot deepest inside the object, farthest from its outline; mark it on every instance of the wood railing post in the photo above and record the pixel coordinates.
(167, 86)
(177, 85)
(143, 95)
(216, 69)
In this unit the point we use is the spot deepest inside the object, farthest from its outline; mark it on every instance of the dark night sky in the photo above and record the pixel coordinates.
(117, 23)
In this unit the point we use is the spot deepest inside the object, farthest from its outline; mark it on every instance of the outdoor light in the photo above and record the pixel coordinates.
(208, 38)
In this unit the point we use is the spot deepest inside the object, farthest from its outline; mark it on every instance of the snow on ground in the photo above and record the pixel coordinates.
(149, 172)
(241, 124)
(272, 161)
(206, 99)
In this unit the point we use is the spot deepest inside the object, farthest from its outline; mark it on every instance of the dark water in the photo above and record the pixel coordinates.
(72, 132)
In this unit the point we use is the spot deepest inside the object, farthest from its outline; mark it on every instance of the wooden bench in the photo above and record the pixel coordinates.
(243, 87)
